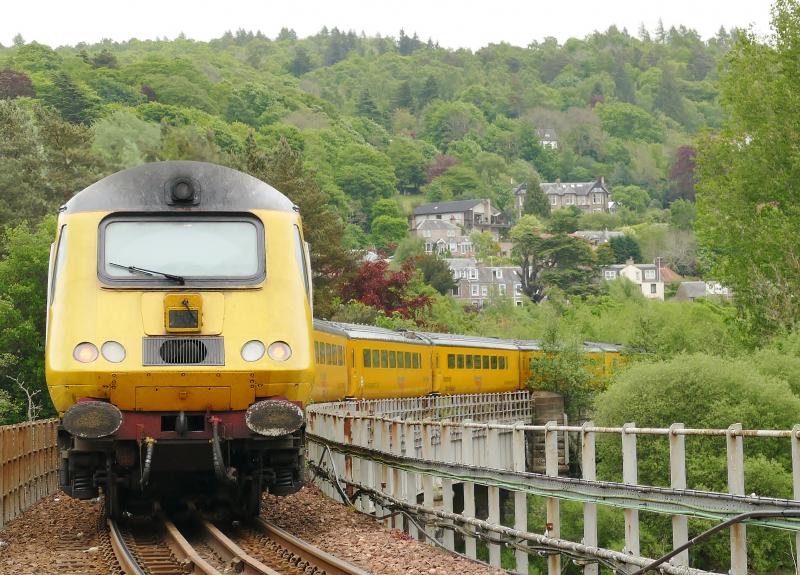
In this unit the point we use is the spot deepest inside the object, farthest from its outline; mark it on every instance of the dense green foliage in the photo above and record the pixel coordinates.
(748, 182)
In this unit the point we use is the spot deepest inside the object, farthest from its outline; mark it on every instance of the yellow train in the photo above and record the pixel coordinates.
(179, 349)
(180, 346)
(365, 362)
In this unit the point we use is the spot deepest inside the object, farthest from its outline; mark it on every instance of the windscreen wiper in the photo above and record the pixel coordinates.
(134, 269)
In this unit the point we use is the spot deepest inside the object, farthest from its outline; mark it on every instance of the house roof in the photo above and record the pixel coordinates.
(692, 289)
(668, 275)
(446, 207)
(597, 234)
(577, 188)
(437, 225)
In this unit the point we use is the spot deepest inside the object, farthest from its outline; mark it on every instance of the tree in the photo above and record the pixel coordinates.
(486, 247)
(551, 261)
(124, 140)
(387, 231)
(15, 85)
(536, 202)
(409, 164)
(301, 62)
(681, 175)
(73, 103)
(632, 197)
(747, 185)
(365, 174)
(564, 220)
(331, 263)
(23, 294)
(435, 272)
(629, 121)
(625, 248)
(682, 214)
(391, 292)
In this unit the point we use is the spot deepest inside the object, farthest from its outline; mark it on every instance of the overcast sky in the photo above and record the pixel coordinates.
(454, 23)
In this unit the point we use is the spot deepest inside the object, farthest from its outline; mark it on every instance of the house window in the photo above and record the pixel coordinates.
(501, 289)
(497, 274)
(553, 200)
(426, 233)
(438, 216)
(517, 289)
(569, 200)
(473, 273)
(609, 274)
(453, 247)
(518, 302)
(597, 198)
(456, 291)
(484, 290)
(653, 288)
(428, 247)
(466, 248)
(475, 290)
(649, 274)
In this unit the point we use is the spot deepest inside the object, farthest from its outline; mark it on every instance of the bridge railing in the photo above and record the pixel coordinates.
(28, 466)
(391, 458)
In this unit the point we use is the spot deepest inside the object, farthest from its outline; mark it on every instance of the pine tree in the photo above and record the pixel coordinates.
(536, 202)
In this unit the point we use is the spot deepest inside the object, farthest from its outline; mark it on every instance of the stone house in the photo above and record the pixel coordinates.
(646, 276)
(442, 238)
(477, 282)
(547, 138)
(469, 215)
(587, 196)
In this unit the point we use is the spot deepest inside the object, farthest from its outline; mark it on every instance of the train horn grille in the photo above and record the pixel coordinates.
(183, 351)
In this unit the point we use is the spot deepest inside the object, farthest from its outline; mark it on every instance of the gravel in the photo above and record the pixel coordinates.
(56, 536)
(354, 537)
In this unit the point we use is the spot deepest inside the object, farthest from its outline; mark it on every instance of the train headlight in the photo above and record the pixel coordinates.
(92, 419)
(279, 351)
(113, 351)
(253, 350)
(274, 417)
(85, 352)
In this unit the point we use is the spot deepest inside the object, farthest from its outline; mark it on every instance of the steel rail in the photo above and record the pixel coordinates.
(331, 565)
(122, 552)
(665, 500)
(229, 550)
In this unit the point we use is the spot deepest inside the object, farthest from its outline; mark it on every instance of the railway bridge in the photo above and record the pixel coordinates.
(462, 472)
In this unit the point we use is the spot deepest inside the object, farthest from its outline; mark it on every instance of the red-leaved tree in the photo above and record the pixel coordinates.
(681, 175)
(376, 285)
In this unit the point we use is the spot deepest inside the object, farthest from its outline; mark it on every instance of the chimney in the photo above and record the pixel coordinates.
(558, 180)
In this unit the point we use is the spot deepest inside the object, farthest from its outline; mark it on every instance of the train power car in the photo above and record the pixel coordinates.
(179, 345)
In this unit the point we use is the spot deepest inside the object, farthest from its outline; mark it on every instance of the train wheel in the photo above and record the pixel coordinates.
(113, 500)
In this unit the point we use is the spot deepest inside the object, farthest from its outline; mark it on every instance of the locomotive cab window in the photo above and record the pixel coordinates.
(179, 250)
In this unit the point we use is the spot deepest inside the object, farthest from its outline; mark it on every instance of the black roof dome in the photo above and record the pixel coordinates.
(148, 188)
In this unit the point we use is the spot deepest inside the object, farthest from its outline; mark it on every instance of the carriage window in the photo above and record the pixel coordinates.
(469, 361)
(460, 361)
(376, 358)
(485, 362)
(416, 361)
(401, 362)
(340, 354)
(392, 360)
(477, 362)
(384, 359)
(316, 351)
(494, 362)
(502, 362)
(144, 250)
(367, 356)
(451, 361)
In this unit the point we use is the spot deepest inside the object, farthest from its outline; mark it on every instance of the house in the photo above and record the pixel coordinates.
(646, 276)
(596, 237)
(587, 196)
(469, 215)
(441, 237)
(476, 282)
(547, 138)
(690, 291)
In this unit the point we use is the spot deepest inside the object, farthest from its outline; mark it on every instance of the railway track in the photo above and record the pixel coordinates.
(197, 546)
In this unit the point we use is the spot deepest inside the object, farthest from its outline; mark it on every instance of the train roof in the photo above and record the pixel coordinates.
(367, 332)
(450, 339)
(147, 188)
